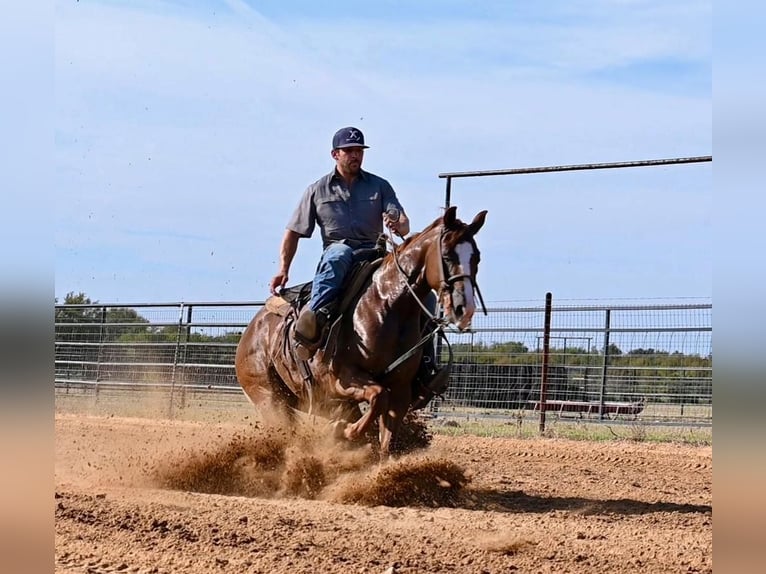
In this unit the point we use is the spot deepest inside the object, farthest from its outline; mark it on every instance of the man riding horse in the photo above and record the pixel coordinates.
(350, 206)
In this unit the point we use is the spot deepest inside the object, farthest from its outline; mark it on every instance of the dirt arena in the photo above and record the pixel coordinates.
(139, 495)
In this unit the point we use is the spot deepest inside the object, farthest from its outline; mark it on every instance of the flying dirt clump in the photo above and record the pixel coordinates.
(407, 482)
(245, 466)
(304, 476)
(413, 434)
(269, 462)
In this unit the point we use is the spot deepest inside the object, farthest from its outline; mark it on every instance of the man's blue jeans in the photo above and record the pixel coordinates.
(335, 264)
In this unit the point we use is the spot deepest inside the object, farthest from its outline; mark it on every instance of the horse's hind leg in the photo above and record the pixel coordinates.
(271, 397)
(258, 348)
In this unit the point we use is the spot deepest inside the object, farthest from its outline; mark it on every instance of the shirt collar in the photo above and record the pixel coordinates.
(335, 175)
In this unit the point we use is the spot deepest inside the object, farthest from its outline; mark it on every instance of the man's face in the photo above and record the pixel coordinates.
(349, 159)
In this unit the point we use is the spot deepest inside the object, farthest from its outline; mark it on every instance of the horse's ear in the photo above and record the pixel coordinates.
(450, 217)
(477, 222)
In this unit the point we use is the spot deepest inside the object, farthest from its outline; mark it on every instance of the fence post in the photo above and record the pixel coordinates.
(175, 360)
(546, 352)
(185, 355)
(602, 392)
(99, 356)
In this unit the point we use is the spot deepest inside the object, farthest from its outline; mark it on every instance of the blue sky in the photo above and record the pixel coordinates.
(186, 131)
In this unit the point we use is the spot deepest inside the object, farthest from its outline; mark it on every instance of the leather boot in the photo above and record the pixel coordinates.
(306, 328)
(309, 330)
(439, 381)
(434, 378)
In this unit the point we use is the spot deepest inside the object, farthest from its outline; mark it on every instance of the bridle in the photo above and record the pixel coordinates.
(446, 284)
(446, 281)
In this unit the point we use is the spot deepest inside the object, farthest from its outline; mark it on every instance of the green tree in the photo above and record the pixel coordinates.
(614, 350)
(116, 329)
(75, 323)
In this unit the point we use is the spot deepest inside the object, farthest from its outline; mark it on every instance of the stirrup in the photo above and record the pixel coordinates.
(312, 344)
(304, 352)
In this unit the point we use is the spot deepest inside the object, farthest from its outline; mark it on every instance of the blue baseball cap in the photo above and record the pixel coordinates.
(348, 137)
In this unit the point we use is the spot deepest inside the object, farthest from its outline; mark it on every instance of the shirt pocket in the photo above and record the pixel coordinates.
(332, 214)
(367, 212)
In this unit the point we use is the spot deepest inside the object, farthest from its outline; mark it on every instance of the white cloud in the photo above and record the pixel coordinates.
(189, 123)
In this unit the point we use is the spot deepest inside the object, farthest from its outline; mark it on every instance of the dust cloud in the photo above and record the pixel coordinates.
(278, 462)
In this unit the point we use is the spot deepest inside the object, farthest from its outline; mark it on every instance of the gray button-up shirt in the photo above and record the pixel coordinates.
(351, 215)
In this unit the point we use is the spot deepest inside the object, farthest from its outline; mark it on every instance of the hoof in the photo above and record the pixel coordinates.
(339, 429)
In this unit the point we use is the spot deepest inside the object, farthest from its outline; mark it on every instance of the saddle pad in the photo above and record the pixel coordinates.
(277, 305)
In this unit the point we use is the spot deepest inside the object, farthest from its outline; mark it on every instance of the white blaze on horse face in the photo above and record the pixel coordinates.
(464, 252)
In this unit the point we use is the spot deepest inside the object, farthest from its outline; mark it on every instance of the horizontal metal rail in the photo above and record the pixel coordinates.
(173, 304)
(121, 364)
(129, 385)
(587, 330)
(134, 324)
(578, 167)
(531, 308)
(131, 344)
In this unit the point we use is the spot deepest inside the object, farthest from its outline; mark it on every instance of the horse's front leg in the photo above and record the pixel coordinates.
(390, 420)
(374, 394)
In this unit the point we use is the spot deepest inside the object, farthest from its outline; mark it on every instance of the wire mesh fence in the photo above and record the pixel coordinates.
(640, 361)
(616, 362)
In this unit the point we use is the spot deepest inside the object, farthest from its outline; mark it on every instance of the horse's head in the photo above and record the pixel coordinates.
(453, 266)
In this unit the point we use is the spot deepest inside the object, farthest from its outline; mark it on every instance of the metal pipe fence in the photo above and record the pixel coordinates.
(649, 363)
(449, 176)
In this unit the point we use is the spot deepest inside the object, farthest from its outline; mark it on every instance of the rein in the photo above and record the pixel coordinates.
(438, 330)
(445, 284)
(440, 323)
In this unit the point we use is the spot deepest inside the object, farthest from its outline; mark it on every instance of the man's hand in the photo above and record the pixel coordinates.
(278, 281)
(397, 222)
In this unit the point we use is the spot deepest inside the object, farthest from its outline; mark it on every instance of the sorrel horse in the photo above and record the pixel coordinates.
(385, 326)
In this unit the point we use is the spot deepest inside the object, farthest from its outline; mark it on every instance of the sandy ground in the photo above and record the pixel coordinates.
(150, 496)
